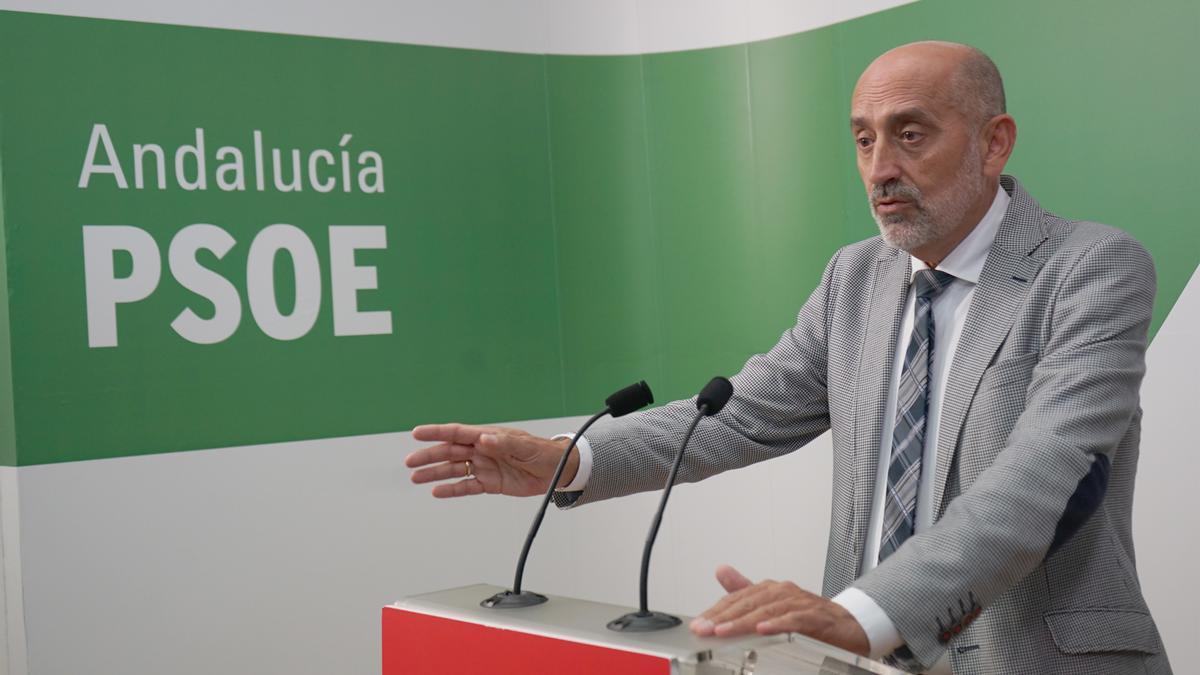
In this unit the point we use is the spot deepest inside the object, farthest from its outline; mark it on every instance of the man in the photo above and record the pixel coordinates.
(978, 365)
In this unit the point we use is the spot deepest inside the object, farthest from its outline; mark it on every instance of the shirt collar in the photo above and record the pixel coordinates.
(966, 260)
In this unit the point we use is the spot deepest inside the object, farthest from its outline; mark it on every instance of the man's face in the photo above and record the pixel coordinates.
(917, 154)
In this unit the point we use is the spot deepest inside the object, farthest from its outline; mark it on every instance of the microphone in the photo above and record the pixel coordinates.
(711, 399)
(622, 402)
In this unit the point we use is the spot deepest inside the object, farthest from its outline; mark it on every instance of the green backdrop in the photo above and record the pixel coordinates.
(557, 225)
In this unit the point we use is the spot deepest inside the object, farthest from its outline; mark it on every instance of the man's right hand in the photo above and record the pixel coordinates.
(504, 461)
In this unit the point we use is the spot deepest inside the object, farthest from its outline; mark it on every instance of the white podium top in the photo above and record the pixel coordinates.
(585, 622)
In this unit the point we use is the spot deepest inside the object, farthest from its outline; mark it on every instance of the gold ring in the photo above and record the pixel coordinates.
(470, 470)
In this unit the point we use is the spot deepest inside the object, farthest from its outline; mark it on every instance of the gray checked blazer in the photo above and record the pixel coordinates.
(1029, 567)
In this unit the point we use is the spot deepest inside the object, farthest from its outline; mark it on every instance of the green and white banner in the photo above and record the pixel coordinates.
(234, 237)
(221, 238)
(284, 233)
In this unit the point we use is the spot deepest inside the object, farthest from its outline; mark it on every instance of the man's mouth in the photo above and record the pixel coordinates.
(891, 205)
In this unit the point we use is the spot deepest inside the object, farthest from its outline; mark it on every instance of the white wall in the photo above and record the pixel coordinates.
(277, 559)
(536, 26)
(1166, 535)
(12, 615)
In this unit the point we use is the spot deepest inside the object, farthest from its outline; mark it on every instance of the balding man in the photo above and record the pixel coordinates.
(978, 364)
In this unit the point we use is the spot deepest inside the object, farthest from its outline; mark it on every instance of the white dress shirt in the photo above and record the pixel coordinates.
(950, 309)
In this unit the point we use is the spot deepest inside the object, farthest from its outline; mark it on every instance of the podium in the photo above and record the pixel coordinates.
(448, 633)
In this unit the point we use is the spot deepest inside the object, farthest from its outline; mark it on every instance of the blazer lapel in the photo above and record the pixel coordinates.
(1003, 284)
(892, 272)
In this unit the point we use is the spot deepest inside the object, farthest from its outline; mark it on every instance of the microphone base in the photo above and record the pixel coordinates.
(510, 600)
(639, 622)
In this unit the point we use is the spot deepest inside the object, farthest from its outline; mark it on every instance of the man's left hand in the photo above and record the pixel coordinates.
(778, 607)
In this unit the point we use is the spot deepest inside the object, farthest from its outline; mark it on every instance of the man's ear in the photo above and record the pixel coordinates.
(999, 137)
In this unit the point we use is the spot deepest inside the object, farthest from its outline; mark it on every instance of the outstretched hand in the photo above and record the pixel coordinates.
(501, 460)
(778, 607)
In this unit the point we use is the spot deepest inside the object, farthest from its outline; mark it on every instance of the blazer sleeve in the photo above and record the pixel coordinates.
(1078, 406)
(780, 402)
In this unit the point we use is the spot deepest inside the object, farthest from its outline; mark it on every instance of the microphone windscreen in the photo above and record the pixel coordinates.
(634, 397)
(715, 395)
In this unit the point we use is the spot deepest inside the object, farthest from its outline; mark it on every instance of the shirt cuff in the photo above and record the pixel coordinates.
(584, 472)
(881, 632)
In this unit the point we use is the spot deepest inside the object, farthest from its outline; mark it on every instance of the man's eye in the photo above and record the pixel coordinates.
(863, 142)
(910, 136)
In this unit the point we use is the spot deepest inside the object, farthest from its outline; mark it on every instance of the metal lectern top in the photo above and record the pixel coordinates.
(584, 622)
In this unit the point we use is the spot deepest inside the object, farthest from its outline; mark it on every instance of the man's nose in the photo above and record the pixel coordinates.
(883, 167)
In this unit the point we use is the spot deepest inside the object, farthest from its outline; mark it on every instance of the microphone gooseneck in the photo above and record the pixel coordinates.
(709, 402)
(541, 514)
(621, 402)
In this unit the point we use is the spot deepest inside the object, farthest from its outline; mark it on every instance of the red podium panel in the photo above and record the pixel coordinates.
(448, 633)
(420, 644)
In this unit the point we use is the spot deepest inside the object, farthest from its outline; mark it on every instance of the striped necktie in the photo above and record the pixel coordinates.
(912, 403)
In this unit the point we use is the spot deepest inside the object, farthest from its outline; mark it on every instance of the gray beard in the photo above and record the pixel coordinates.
(933, 220)
(909, 233)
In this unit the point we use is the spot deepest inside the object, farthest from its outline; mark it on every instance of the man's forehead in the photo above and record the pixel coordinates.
(906, 90)
(896, 104)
